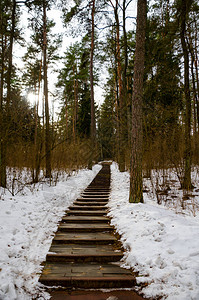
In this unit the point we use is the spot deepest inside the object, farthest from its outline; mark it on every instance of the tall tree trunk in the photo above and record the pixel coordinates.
(38, 140)
(116, 97)
(4, 138)
(66, 115)
(185, 6)
(2, 157)
(136, 186)
(121, 114)
(75, 104)
(93, 124)
(125, 49)
(196, 69)
(190, 45)
(47, 131)
(126, 97)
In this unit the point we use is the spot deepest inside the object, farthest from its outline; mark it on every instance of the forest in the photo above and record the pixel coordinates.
(99, 141)
(165, 113)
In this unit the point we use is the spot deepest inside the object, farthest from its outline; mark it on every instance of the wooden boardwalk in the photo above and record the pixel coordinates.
(85, 252)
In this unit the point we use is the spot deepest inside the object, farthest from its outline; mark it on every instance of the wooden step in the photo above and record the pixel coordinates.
(84, 258)
(79, 207)
(83, 253)
(96, 192)
(94, 196)
(80, 249)
(91, 203)
(95, 189)
(87, 275)
(101, 238)
(93, 199)
(94, 294)
(86, 227)
(87, 212)
(85, 219)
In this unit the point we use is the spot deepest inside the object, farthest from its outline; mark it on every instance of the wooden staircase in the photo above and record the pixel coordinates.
(85, 253)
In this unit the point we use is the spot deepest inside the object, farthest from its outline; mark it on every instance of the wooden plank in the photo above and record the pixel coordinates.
(86, 238)
(94, 196)
(86, 270)
(83, 248)
(85, 219)
(79, 249)
(86, 213)
(86, 227)
(92, 203)
(93, 199)
(87, 207)
(97, 295)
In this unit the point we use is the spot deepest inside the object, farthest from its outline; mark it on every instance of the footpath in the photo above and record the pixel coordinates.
(85, 254)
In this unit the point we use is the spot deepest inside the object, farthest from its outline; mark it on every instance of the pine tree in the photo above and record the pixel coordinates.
(184, 8)
(9, 17)
(136, 194)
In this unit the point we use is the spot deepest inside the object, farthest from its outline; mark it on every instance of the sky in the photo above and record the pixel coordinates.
(55, 15)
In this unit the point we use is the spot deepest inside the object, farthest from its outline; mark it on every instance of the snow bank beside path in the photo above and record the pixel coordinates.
(27, 223)
(161, 245)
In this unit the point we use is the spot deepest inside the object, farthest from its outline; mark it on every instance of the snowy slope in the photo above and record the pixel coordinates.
(27, 223)
(161, 245)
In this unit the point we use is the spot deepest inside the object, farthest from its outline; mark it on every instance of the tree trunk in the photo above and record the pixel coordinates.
(196, 69)
(66, 115)
(121, 114)
(185, 5)
(2, 156)
(190, 45)
(136, 193)
(75, 104)
(38, 142)
(47, 131)
(5, 133)
(125, 49)
(93, 124)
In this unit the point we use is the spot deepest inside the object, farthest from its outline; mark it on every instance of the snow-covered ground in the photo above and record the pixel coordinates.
(27, 223)
(161, 241)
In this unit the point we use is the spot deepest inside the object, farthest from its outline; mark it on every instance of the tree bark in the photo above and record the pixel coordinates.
(47, 131)
(2, 156)
(195, 100)
(66, 115)
(5, 133)
(185, 6)
(196, 69)
(93, 124)
(121, 114)
(75, 104)
(136, 186)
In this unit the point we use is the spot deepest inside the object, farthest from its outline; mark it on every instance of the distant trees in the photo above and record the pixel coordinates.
(159, 128)
(169, 121)
(41, 53)
(85, 13)
(74, 88)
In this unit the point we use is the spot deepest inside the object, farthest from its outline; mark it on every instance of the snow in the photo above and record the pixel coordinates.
(28, 221)
(161, 242)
